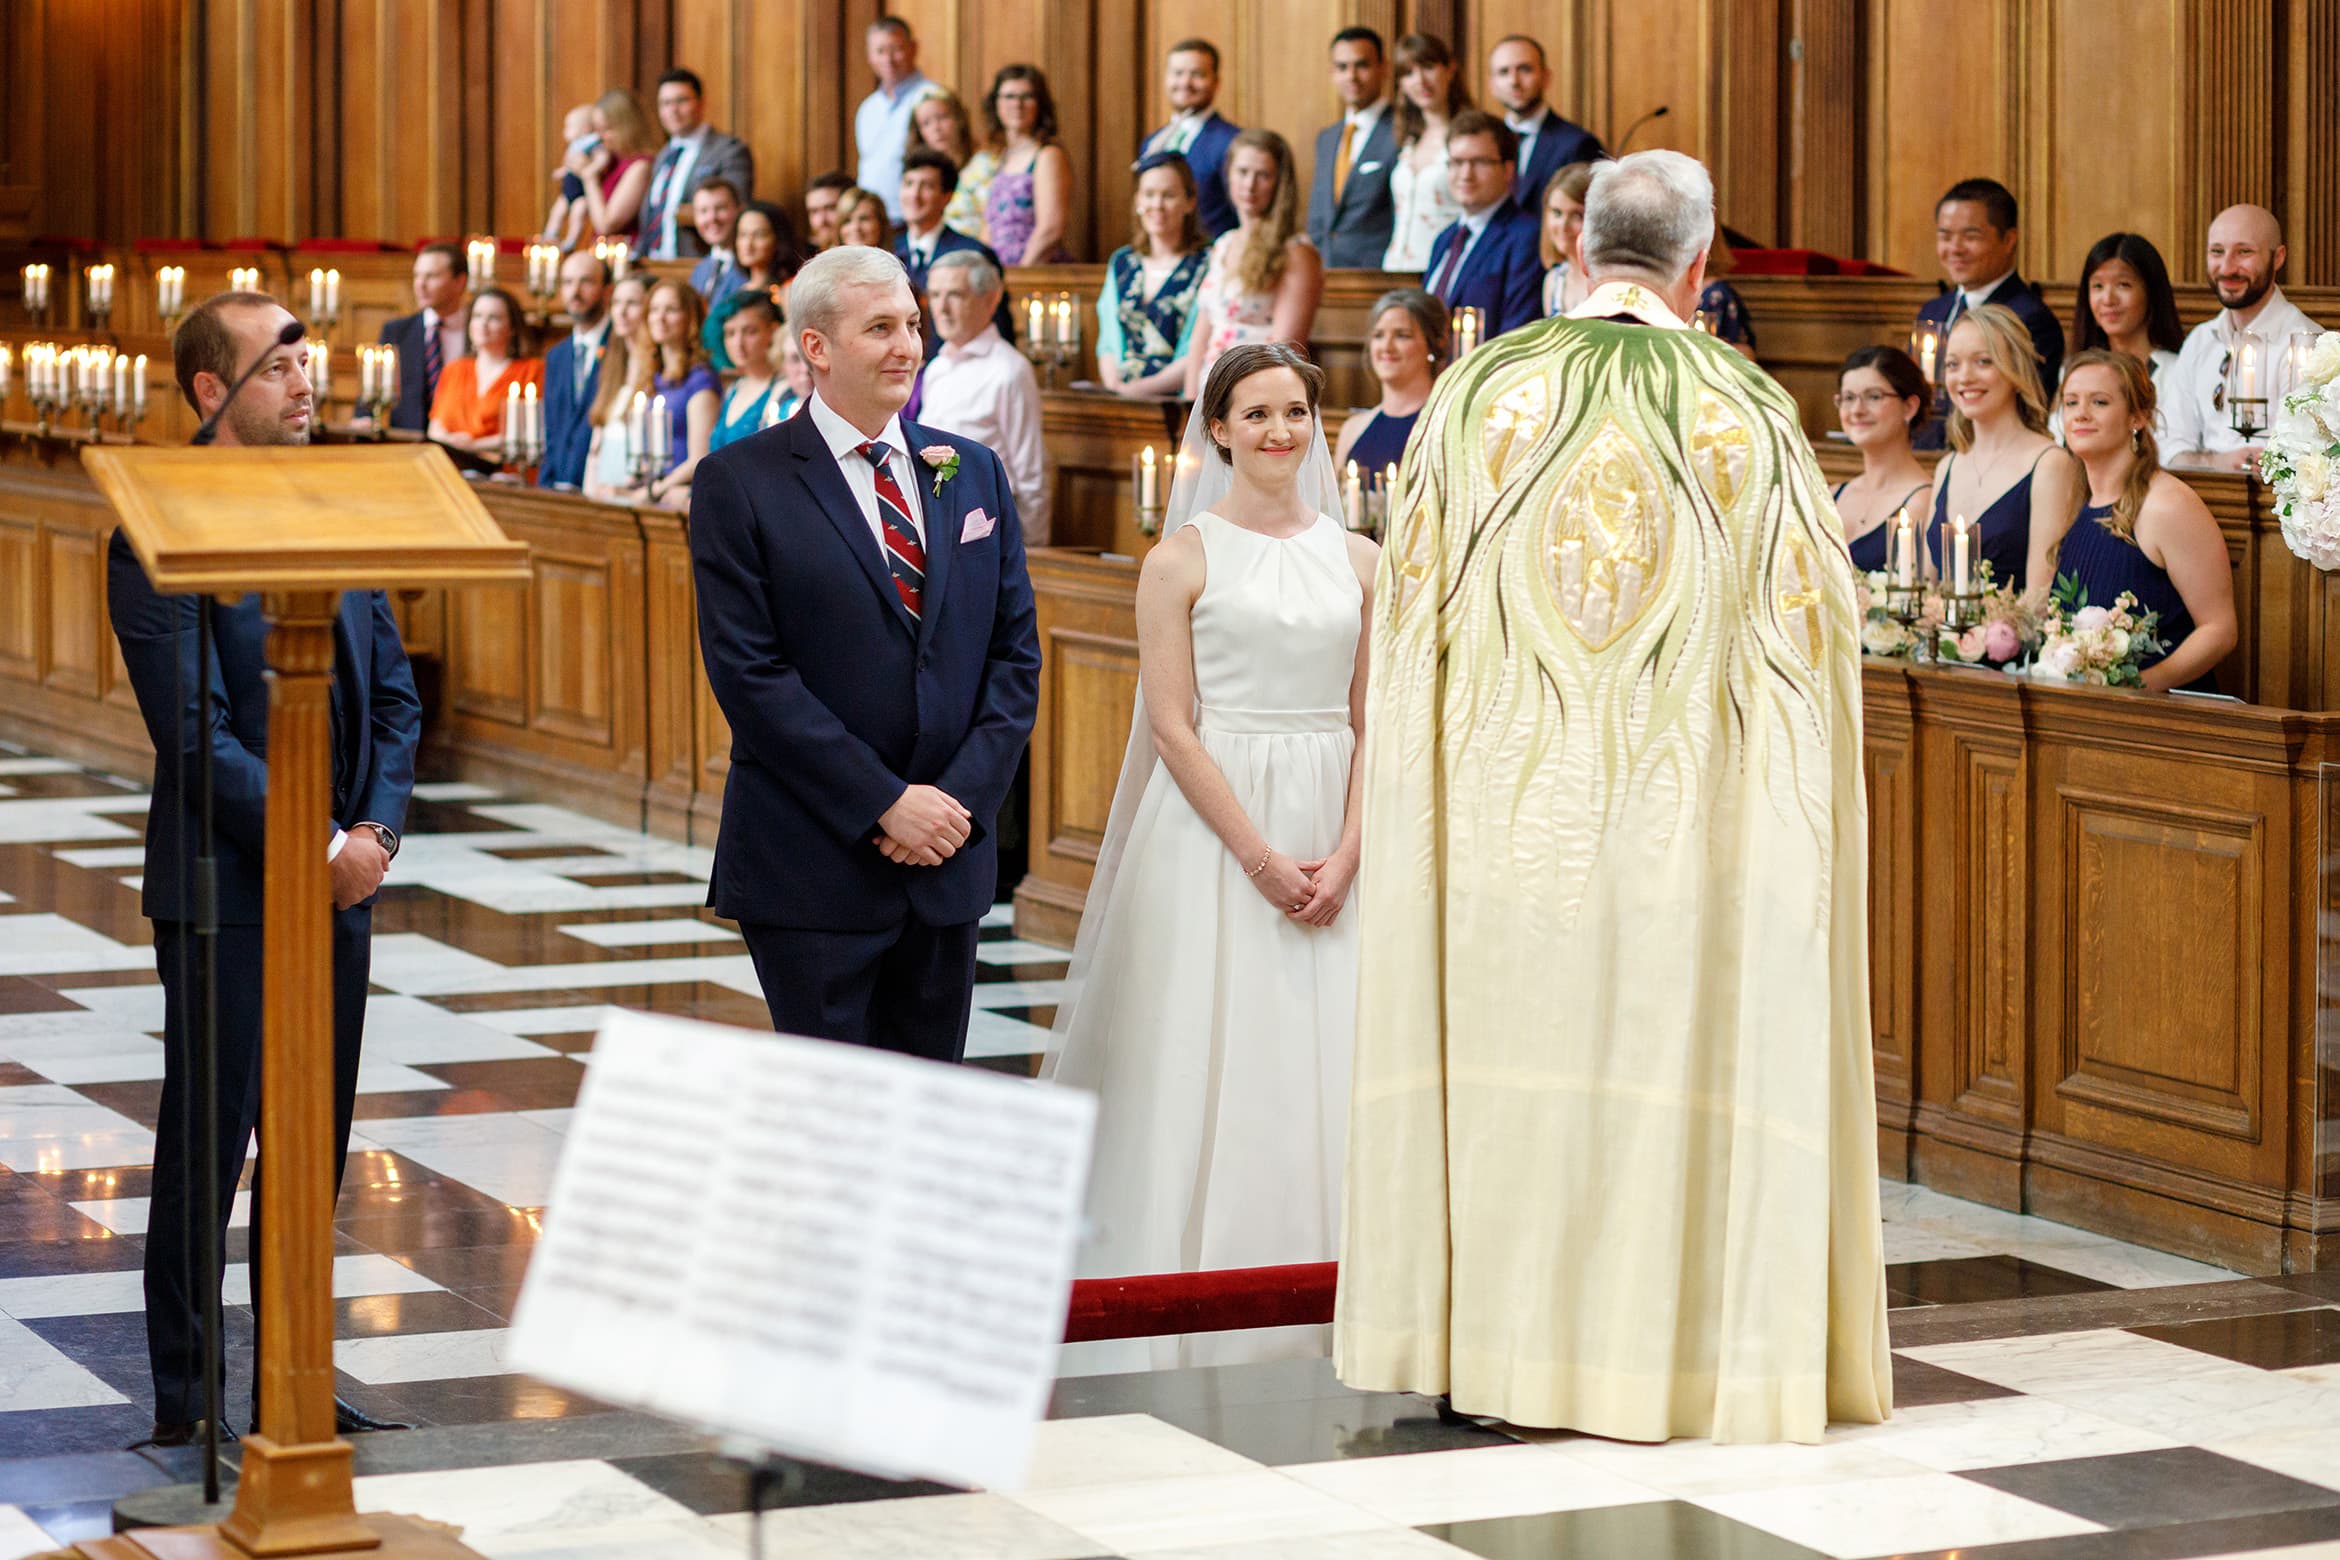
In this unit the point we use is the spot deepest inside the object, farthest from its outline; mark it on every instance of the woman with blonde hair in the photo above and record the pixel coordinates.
(2003, 468)
(1429, 94)
(2140, 530)
(1264, 276)
(616, 172)
(940, 121)
(1563, 216)
(625, 368)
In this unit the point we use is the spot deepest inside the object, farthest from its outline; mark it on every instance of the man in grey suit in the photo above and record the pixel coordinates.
(695, 152)
(1350, 213)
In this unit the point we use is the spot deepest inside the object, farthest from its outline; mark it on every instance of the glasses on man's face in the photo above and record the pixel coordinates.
(1483, 164)
(1846, 400)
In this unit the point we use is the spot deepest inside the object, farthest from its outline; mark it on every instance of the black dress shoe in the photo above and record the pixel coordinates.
(185, 1432)
(350, 1421)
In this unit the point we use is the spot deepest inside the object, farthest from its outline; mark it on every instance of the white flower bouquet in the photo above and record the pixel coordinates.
(2105, 647)
(2302, 459)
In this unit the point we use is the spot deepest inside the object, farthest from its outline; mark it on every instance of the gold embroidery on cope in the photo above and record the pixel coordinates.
(1514, 423)
(1720, 448)
(1799, 599)
(1608, 538)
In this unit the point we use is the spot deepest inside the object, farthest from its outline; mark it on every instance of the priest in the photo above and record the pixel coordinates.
(1612, 1156)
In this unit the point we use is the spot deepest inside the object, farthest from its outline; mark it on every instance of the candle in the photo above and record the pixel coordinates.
(1035, 316)
(511, 412)
(1466, 330)
(321, 371)
(36, 287)
(1149, 476)
(365, 376)
(7, 369)
(1067, 334)
(532, 419)
(1929, 346)
(638, 427)
(122, 385)
(138, 389)
(1904, 549)
(2247, 371)
(481, 253)
(661, 433)
(1961, 565)
(1388, 485)
(333, 295)
(98, 280)
(317, 293)
(1353, 497)
(244, 278)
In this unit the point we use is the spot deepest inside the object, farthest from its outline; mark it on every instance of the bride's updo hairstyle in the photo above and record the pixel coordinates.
(1237, 364)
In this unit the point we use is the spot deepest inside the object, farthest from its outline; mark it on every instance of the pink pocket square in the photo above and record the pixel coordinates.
(975, 527)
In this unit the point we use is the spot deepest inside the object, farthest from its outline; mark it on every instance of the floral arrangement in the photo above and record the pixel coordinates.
(2105, 647)
(2302, 459)
(2007, 626)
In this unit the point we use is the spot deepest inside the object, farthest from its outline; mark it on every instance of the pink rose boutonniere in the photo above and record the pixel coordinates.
(945, 462)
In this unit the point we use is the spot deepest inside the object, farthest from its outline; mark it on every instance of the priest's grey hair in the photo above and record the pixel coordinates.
(1648, 214)
(816, 299)
(983, 278)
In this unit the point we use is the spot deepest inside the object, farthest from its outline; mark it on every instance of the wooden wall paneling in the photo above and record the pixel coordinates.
(2229, 111)
(1945, 109)
(2113, 162)
(1747, 62)
(1823, 178)
(21, 596)
(670, 665)
(1125, 76)
(1650, 54)
(2312, 130)
(1890, 769)
(525, 124)
(784, 74)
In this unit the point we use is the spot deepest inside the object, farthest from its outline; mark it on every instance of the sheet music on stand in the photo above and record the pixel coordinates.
(841, 1254)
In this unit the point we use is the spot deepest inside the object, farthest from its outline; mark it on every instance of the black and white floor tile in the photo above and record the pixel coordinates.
(2061, 1394)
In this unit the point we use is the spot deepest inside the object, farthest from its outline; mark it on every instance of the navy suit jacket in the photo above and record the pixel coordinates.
(1560, 143)
(1208, 158)
(158, 638)
(1353, 232)
(838, 699)
(1502, 276)
(2047, 336)
(568, 429)
(951, 241)
(414, 408)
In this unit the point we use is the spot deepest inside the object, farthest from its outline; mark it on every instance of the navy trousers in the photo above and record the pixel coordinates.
(906, 988)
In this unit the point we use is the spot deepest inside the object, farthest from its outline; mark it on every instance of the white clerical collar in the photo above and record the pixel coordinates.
(1976, 297)
(1635, 299)
(1528, 124)
(843, 438)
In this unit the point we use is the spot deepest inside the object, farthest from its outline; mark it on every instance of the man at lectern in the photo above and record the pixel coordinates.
(235, 369)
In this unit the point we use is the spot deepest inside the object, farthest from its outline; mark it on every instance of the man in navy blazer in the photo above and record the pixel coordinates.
(868, 630)
(572, 371)
(377, 723)
(1975, 238)
(1519, 76)
(441, 277)
(1350, 212)
(1190, 81)
(929, 180)
(1488, 259)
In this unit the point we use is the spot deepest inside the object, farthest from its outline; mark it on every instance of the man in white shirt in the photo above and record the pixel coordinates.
(1350, 212)
(980, 387)
(695, 152)
(2246, 251)
(1190, 84)
(881, 125)
(1519, 76)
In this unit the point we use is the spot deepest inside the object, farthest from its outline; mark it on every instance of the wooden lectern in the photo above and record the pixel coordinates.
(299, 526)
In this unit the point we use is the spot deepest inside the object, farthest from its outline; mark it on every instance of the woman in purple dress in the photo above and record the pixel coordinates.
(1030, 199)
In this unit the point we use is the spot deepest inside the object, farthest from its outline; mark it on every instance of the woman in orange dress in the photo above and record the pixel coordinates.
(468, 412)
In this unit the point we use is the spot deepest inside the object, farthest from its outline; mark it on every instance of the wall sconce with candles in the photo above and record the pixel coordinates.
(170, 296)
(377, 387)
(324, 300)
(37, 299)
(1469, 325)
(244, 278)
(97, 283)
(544, 280)
(1052, 334)
(1146, 482)
(2246, 385)
(523, 430)
(480, 258)
(616, 253)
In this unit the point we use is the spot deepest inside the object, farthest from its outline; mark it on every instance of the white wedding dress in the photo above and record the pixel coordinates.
(1216, 1030)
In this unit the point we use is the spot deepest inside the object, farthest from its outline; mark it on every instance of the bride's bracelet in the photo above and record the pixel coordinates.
(1261, 866)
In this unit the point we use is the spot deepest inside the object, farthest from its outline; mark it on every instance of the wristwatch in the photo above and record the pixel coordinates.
(389, 841)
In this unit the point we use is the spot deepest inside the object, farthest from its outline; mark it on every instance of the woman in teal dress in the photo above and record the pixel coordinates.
(747, 340)
(2141, 530)
(1146, 308)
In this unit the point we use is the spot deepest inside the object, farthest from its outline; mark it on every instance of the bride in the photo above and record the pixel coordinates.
(1211, 1002)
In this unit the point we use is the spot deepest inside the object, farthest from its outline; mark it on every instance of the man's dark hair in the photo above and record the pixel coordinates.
(1360, 35)
(1536, 44)
(835, 179)
(716, 181)
(689, 78)
(892, 24)
(1996, 200)
(939, 162)
(206, 342)
(457, 260)
(1202, 46)
(1477, 121)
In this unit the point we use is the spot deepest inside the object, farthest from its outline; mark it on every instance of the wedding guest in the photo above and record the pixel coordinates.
(1975, 239)
(1350, 213)
(820, 210)
(564, 224)
(2246, 251)
(613, 174)
(467, 411)
(1563, 223)
(1190, 81)
(881, 125)
(1488, 258)
(1146, 307)
(795, 380)
(681, 373)
(2125, 303)
(572, 371)
(940, 122)
(980, 387)
(1719, 301)
(432, 336)
(1429, 94)
(695, 152)
(1264, 278)
(927, 177)
(626, 365)
(1406, 344)
(861, 219)
(2142, 530)
(715, 208)
(1518, 75)
(766, 254)
(1881, 401)
(748, 338)
(2003, 468)
(1030, 199)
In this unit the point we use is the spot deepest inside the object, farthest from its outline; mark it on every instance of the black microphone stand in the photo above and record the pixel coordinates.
(209, 1271)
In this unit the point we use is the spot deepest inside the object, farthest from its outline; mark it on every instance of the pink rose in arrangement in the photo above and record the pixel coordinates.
(2089, 617)
(2000, 642)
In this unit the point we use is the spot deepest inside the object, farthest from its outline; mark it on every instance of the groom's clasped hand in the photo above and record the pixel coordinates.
(924, 828)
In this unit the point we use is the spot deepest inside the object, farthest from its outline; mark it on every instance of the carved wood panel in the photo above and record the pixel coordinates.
(488, 654)
(74, 611)
(1991, 889)
(572, 647)
(20, 599)
(1891, 773)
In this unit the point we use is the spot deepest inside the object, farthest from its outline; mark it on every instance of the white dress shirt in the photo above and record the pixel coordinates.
(1179, 133)
(678, 193)
(986, 391)
(1973, 298)
(584, 351)
(845, 442)
(921, 245)
(2190, 392)
(1361, 122)
(454, 340)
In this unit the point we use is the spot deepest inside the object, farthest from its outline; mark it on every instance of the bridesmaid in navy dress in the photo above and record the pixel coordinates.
(2003, 468)
(1406, 344)
(2142, 530)
(1881, 399)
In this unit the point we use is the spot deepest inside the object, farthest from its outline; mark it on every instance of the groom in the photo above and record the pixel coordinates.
(868, 631)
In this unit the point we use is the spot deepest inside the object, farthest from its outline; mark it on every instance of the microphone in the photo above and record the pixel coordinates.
(209, 430)
(1634, 128)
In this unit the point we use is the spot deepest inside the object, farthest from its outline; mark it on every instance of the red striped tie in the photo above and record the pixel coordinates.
(905, 555)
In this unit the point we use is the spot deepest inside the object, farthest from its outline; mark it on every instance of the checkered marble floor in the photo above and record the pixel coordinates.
(2060, 1393)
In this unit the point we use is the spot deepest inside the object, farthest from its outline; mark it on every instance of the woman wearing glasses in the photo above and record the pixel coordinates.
(1881, 400)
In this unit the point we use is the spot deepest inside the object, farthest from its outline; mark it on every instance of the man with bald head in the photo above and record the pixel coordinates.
(2246, 252)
